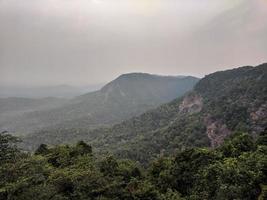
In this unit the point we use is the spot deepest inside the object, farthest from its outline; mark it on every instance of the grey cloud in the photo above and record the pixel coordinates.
(85, 42)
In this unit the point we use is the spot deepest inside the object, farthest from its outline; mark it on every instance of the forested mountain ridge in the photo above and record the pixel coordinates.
(220, 104)
(127, 96)
(142, 88)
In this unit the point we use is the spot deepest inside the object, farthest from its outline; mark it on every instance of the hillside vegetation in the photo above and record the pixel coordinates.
(127, 96)
(235, 170)
(220, 104)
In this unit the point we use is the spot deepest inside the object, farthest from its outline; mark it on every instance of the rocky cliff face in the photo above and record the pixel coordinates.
(192, 103)
(216, 131)
(258, 119)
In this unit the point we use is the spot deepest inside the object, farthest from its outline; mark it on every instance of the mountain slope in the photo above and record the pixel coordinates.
(220, 104)
(127, 96)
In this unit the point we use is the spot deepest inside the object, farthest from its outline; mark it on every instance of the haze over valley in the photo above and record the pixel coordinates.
(122, 98)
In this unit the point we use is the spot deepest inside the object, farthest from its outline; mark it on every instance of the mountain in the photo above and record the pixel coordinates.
(127, 96)
(141, 88)
(219, 105)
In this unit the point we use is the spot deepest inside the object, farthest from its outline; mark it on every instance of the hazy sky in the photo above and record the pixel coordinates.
(48, 42)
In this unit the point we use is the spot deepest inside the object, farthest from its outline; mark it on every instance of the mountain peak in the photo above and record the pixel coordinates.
(147, 75)
(136, 75)
(143, 85)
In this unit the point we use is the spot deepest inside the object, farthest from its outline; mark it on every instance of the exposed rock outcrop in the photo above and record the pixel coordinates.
(192, 103)
(259, 118)
(260, 113)
(216, 131)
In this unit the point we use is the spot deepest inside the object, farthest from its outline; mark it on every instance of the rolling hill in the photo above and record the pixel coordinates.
(127, 96)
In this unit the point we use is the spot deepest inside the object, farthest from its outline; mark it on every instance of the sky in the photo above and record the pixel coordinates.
(82, 42)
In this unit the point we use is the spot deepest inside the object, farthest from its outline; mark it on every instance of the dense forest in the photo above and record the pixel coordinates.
(235, 170)
(219, 105)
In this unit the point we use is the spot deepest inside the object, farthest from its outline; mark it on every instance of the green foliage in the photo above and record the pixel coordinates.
(187, 165)
(8, 150)
(237, 170)
(83, 148)
(263, 194)
(236, 144)
(42, 150)
(171, 195)
(262, 139)
(24, 178)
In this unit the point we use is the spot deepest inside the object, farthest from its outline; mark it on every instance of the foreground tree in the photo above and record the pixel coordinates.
(236, 170)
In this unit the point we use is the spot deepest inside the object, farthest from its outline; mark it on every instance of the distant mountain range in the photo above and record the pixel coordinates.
(219, 105)
(59, 91)
(127, 96)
